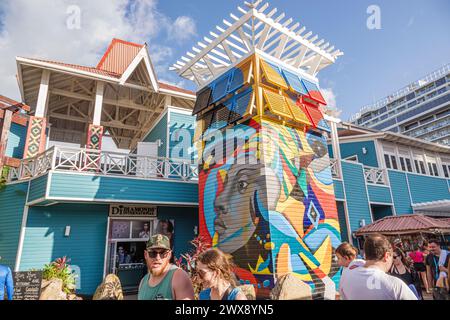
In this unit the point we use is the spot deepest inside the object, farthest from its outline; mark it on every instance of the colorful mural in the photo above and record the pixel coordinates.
(271, 205)
(265, 183)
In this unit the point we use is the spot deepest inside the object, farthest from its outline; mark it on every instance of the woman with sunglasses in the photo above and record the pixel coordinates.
(214, 269)
(402, 270)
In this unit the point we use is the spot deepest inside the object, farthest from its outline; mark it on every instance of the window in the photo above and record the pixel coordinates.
(446, 169)
(394, 162)
(408, 165)
(422, 167)
(387, 161)
(419, 164)
(402, 164)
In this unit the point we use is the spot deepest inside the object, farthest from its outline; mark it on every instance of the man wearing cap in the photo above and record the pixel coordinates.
(6, 281)
(164, 280)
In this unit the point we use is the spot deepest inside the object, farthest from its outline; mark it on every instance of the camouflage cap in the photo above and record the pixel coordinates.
(158, 241)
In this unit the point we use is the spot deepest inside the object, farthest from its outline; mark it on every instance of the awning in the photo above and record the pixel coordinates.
(406, 224)
(440, 208)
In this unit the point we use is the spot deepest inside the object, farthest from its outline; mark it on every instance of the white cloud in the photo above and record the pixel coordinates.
(183, 28)
(47, 29)
(329, 96)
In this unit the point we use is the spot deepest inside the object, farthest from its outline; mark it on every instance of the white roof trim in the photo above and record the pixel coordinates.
(439, 205)
(255, 29)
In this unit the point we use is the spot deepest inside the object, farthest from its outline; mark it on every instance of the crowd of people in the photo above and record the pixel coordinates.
(383, 272)
(387, 272)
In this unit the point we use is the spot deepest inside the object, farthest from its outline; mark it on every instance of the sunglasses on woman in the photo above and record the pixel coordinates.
(395, 257)
(154, 253)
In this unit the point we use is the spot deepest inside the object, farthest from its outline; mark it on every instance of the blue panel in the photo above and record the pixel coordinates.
(37, 188)
(379, 194)
(400, 192)
(338, 190)
(356, 148)
(385, 124)
(12, 203)
(159, 131)
(220, 88)
(426, 189)
(186, 219)
(242, 102)
(16, 141)
(294, 82)
(237, 80)
(91, 187)
(355, 190)
(45, 240)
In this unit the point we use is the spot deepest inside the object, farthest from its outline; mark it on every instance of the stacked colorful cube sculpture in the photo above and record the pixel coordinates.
(266, 189)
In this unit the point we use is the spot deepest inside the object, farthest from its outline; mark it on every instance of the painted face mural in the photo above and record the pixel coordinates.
(271, 205)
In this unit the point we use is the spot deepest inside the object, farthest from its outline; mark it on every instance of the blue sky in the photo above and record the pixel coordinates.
(414, 38)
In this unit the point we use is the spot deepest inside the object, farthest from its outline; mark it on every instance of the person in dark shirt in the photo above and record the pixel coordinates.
(437, 263)
(403, 270)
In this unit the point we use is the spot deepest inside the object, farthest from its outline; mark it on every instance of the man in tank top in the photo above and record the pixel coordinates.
(164, 280)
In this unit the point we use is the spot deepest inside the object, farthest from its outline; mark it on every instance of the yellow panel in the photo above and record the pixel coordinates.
(277, 104)
(299, 115)
(273, 76)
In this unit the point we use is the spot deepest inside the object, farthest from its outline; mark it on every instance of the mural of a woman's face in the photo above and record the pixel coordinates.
(236, 208)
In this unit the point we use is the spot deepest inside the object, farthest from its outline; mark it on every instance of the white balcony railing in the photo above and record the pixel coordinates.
(375, 175)
(104, 163)
(335, 168)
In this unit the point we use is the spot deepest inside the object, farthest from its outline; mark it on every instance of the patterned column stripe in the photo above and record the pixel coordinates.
(95, 136)
(35, 142)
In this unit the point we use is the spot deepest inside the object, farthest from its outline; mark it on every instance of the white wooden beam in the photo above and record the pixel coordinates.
(100, 88)
(42, 101)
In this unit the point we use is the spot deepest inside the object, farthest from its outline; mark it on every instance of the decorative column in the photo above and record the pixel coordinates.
(36, 136)
(95, 130)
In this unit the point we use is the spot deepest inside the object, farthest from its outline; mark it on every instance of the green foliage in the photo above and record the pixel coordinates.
(188, 262)
(59, 269)
(3, 176)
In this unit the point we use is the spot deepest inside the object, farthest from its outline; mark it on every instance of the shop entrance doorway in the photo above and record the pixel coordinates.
(127, 240)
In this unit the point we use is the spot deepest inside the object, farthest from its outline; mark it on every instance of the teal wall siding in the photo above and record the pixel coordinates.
(355, 148)
(400, 194)
(12, 203)
(45, 240)
(379, 194)
(186, 219)
(159, 132)
(37, 188)
(181, 126)
(342, 220)
(16, 141)
(91, 187)
(338, 190)
(330, 151)
(355, 190)
(425, 189)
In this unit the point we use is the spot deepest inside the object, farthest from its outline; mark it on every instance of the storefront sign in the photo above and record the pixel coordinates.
(27, 285)
(132, 211)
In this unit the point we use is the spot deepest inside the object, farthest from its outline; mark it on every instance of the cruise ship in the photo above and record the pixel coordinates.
(419, 110)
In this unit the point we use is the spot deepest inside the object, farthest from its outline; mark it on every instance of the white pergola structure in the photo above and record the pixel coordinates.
(257, 29)
(121, 97)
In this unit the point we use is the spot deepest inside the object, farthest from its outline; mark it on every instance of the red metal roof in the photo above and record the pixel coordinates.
(114, 63)
(174, 88)
(18, 118)
(408, 223)
(119, 56)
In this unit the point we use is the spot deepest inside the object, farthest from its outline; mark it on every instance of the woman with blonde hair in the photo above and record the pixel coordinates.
(214, 268)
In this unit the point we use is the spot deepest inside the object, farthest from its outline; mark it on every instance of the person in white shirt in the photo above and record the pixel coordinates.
(371, 281)
(346, 255)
